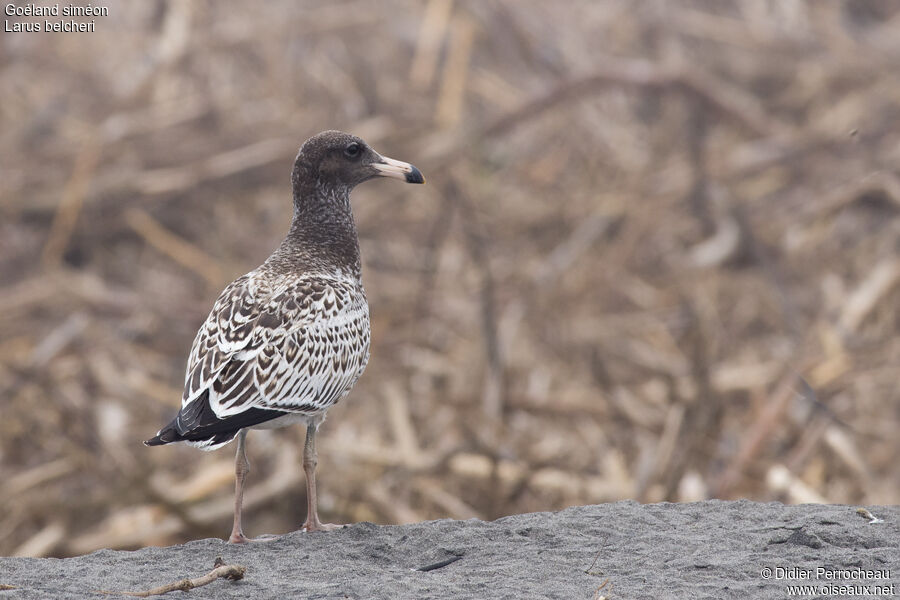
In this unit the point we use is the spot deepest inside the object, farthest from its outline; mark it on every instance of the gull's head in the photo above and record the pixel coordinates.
(336, 159)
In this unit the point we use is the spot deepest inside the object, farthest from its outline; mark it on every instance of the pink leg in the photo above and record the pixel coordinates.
(241, 468)
(310, 459)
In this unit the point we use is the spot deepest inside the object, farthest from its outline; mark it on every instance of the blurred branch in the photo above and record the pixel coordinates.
(494, 393)
(176, 179)
(432, 32)
(175, 247)
(766, 424)
(70, 203)
(726, 99)
(449, 110)
(882, 278)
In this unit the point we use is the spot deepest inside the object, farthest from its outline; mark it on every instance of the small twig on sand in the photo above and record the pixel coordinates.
(232, 572)
(597, 595)
(590, 569)
(440, 564)
(4, 586)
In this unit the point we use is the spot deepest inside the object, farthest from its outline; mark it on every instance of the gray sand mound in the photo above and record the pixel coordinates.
(708, 549)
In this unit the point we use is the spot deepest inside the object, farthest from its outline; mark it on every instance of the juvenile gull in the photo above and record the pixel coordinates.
(286, 341)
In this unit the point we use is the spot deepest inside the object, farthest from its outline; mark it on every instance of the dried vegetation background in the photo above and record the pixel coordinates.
(657, 257)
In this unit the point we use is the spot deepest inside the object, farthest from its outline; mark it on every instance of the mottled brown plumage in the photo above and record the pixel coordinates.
(286, 341)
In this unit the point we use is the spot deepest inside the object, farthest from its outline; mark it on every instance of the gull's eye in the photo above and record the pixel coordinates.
(352, 150)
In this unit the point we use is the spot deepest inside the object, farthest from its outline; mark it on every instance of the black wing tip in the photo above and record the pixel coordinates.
(171, 436)
(198, 423)
(165, 436)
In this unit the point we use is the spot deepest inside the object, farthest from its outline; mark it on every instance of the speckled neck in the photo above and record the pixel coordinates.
(322, 237)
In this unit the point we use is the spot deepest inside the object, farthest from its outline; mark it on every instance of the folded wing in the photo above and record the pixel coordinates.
(268, 350)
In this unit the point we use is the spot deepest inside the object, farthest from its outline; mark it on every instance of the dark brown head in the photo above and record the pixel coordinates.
(327, 167)
(333, 161)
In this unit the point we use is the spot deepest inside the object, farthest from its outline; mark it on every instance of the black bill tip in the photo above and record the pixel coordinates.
(415, 176)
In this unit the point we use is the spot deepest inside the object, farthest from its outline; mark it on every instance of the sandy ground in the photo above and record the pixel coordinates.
(703, 550)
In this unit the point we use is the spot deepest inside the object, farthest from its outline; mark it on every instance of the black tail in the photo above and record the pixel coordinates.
(166, 435)
(170, 434)
(197, 423)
